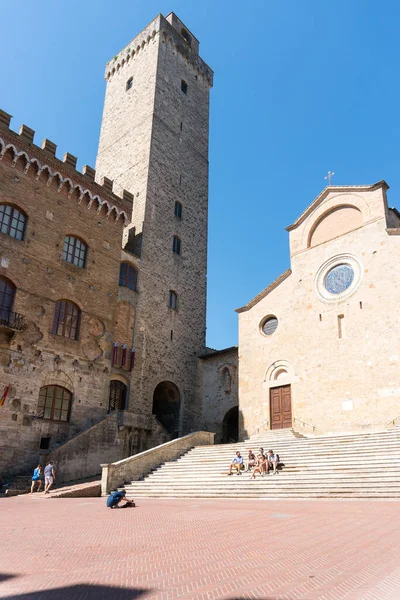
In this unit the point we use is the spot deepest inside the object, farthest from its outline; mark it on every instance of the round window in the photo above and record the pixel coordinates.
(339, 278)
(269, 326)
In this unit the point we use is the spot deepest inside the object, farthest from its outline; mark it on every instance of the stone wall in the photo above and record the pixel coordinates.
(340, 354)
(220, 389)
(134, 467)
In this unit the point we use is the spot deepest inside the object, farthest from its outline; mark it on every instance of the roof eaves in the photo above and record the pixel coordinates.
(265, 292)
(334, 188)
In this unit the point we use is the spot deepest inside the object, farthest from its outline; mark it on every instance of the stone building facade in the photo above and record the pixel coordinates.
(319, 348)
(220, 394)
(60, 246)
(154, 142)
(103, 273)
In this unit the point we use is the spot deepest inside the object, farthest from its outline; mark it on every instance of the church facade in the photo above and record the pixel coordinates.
(319, 348)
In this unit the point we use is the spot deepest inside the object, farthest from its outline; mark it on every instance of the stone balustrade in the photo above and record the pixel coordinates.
(134, 467)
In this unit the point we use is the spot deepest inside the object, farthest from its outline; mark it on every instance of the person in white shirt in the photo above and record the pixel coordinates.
(273, 460)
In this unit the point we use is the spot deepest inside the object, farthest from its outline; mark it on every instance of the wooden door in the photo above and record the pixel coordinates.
(281, 407)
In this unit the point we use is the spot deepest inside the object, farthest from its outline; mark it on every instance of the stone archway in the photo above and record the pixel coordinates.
(166, 406)
(230, 426)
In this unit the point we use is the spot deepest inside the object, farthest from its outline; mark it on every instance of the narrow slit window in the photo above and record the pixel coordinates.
(178, 210)
(173, 300)
(320, 317)
(129, 83)
(340, 320)
(360, 304)
(176, 245)
(184, 86)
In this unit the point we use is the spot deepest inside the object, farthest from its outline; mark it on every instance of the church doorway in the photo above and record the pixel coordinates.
(117, 397)
(166, 406)
(280, 402)
(230, 426)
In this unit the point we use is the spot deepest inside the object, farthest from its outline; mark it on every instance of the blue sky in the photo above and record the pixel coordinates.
(301, 86)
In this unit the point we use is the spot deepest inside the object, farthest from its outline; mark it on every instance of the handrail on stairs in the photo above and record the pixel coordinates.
(304, 423)
(393, 421)
(264, 426)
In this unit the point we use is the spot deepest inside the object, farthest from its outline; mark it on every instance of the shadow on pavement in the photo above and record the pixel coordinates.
(81, 592)
(5, 576)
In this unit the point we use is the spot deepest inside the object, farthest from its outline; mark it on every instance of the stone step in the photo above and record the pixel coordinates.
(348, 466)
(300, 443)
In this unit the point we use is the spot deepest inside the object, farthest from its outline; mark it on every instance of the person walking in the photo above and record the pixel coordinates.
(36, 478)
(49, 477)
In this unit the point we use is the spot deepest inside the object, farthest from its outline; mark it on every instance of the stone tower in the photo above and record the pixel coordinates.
(154, 143)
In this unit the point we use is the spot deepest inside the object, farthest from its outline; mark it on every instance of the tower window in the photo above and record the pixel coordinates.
(129, 84)
(66, 319)
(176, 245)
(172, 300)
(74, 251)
(128, 276)
(12, 221)
(178, 210)
(186, 36)
(184, 86)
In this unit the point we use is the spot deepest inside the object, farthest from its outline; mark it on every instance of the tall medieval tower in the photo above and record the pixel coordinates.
(154, 143)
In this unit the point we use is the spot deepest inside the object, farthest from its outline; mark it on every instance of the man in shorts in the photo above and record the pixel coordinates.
(116, 497)
(236, 463)
(49, 477)
(273, 461)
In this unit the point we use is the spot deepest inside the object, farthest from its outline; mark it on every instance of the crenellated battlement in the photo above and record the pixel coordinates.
(160, 26)
(44, 160)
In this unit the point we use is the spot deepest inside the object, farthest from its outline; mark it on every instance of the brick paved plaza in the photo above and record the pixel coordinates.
(199, 549)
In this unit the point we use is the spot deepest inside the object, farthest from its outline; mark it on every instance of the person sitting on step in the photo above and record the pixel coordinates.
(236, 463)
(116, 497)
(251, 460)
(261, 466)
(273, 461)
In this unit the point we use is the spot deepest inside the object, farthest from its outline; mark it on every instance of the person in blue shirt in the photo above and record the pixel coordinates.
(236, 463)
(116, 497)
(36, 478)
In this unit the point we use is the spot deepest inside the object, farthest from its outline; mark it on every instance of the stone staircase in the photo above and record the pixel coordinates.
(346, 466)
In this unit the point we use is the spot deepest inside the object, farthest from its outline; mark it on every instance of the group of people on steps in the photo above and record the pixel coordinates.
(260, 463)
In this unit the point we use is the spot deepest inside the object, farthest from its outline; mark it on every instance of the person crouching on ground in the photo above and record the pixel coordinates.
(251, 460)
(36, 478)
(236, 463)
(273, 460)
(116, 497)
(261, 466)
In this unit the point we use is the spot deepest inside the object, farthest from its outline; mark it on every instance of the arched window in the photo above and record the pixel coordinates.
(176, 245)
(7, 295)
(173, 300)
(54, 403)
(74, 251)
(184, 86)
(128, 276)
(12, 221)
(66, 319)
(117, 398)
(178, 210)
(129, 84)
